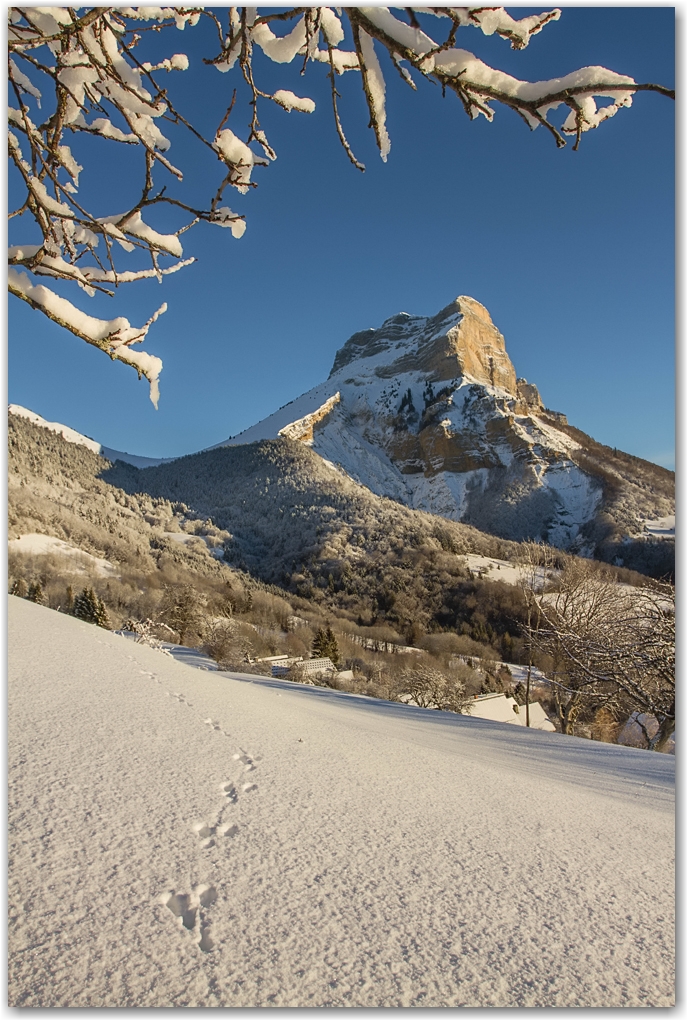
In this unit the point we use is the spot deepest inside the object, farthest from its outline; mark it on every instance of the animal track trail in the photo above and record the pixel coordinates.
(216, 727)
(190, 908)
(180, 698)
(207, 832)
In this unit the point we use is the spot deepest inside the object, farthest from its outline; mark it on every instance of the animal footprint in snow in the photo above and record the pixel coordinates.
(228, 830)
(183, 906)
(248, 765)
(229, 791)
(206, 943)
(187, 907)
(205, 833)
(247, 787)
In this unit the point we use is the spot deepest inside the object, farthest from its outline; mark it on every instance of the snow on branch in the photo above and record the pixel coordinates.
(84, 70)
(114, 336)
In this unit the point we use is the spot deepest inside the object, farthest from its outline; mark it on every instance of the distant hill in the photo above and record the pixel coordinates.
(268, 513)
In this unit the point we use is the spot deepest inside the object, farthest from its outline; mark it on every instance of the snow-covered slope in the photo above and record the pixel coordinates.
(429, 411)
(72, 436)
(35, 544)
(182, 838)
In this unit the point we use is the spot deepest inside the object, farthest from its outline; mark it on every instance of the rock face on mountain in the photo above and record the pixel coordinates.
(430, 412)
(460, 340)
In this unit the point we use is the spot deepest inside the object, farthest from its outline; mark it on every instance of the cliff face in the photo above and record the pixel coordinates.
(460, 340)
(480, 348)
(430, 412)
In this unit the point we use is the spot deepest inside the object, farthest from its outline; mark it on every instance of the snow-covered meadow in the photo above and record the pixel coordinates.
(179, 837)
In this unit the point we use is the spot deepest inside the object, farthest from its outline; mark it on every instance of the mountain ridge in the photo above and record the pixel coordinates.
(429, 412)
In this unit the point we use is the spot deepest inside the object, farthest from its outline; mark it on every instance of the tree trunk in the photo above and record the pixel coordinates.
(527, 695)
(569, 715)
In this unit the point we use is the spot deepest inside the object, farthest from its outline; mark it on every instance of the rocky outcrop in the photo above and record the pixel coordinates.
(480, 348)
(302, 429)
(528, 395)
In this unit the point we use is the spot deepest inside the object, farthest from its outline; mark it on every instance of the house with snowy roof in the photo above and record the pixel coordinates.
(500, 708)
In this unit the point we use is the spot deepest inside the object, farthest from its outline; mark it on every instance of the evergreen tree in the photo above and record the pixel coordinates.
(91, 609)
(19, 588)
(36, 593)
(324, 645)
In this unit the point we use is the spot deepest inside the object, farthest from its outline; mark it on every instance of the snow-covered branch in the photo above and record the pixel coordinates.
(82, 70)
(114, 336)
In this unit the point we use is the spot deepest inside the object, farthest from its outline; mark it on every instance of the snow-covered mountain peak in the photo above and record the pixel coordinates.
(429, 411)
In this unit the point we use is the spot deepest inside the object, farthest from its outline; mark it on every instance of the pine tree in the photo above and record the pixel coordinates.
(91, 609)
(324, 645)
(36, 593)
(19, 588)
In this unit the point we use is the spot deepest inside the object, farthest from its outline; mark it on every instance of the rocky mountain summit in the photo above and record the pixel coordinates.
(430, 412)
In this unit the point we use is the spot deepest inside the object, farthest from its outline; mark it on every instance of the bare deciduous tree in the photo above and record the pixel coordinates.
(612, 644)
(182, 608)
(430, 688)
(94, 80)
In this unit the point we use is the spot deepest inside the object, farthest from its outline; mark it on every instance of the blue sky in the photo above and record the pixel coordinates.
(572, 252)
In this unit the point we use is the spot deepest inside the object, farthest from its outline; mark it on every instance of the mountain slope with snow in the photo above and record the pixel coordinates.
(183, 838)
(428, 411)
(72, 436)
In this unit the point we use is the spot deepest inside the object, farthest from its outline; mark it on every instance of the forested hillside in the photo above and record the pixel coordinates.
(265, 549)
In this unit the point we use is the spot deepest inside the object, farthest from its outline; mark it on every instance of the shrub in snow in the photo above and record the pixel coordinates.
(613, 646)
(228, 643)
(182, 608)
(78, 63)
(90, 608)
(19, 588)
(35, 593)
(145, 633)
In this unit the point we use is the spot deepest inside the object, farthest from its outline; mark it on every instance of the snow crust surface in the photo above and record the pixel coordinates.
(663, 527)
(188, 838)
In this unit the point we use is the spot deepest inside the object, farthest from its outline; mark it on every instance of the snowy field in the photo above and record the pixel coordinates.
(34, 544)
(180, 837)
(664, 527)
